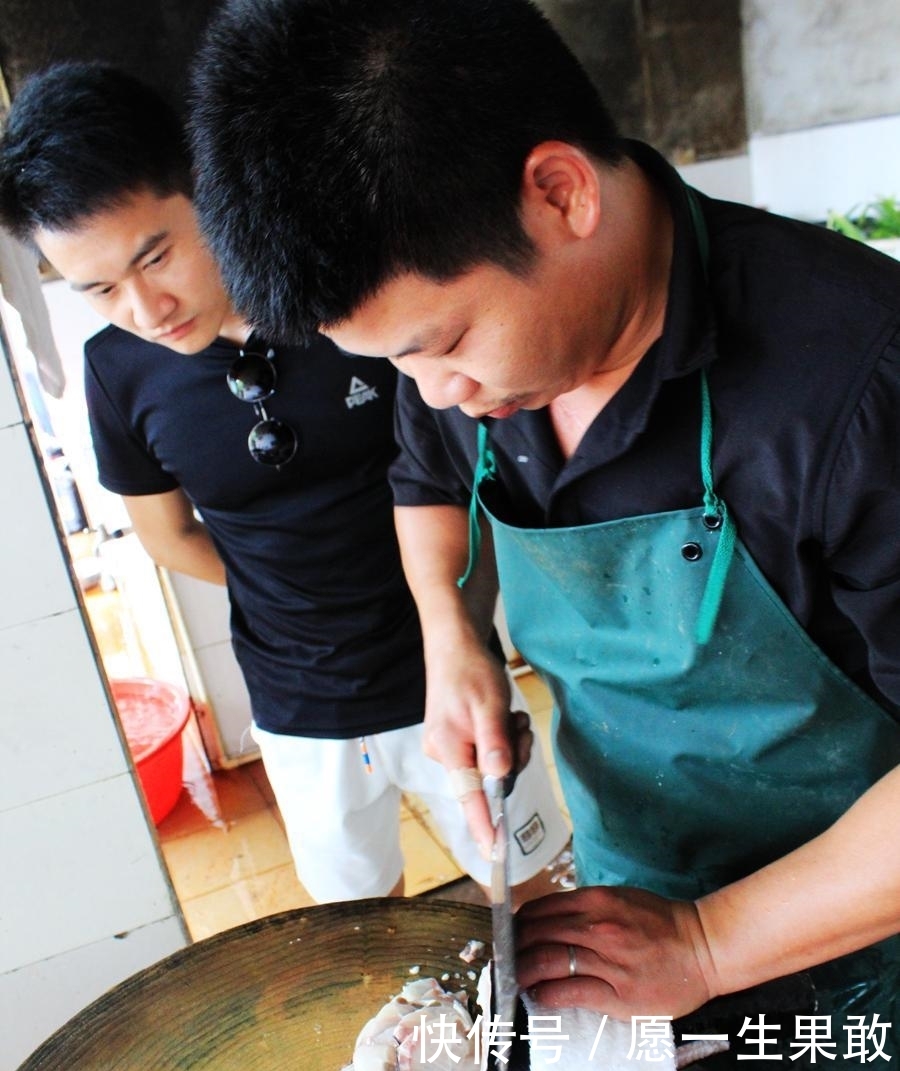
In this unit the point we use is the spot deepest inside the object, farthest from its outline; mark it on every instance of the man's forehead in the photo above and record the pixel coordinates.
(113, 238)
(360, 341)
(409, 315)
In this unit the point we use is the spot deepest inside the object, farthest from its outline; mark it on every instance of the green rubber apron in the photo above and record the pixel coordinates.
(698, 732)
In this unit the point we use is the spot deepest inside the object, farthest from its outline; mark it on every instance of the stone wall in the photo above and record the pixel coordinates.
(669, 70)
(810, 63)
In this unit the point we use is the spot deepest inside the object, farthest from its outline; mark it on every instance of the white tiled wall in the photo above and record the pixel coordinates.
(84, 900)
(10, 413)
(205, 612)
(37, 998)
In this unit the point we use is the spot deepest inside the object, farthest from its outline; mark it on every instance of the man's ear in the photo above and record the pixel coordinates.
(561, 179)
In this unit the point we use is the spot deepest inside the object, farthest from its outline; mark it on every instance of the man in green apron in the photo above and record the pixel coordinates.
(675, 421)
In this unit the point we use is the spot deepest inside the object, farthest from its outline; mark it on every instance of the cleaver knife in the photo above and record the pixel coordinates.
(505, 989)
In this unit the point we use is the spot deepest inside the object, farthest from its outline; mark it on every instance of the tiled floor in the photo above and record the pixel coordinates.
(228, 857)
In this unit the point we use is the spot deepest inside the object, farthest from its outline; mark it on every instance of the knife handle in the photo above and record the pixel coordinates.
(498, 787)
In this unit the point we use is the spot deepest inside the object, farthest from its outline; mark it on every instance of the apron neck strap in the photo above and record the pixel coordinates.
(485, 469)
(715, 516)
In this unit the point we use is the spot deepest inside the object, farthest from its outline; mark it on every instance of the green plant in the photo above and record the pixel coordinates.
(880, 219)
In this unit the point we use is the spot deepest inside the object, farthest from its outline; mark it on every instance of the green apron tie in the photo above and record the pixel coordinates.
(715, 515)
(485, 469)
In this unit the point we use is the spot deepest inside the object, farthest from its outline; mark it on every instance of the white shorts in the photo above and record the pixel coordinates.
(343, 824)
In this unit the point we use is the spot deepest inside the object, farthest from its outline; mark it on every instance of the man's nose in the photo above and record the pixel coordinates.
(150, 307)
(441, 389)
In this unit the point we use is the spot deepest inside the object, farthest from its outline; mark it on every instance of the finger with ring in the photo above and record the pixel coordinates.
(573, 961)
(463, 782)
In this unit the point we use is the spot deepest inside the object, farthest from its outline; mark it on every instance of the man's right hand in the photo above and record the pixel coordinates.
(469, 727)
(468, 723)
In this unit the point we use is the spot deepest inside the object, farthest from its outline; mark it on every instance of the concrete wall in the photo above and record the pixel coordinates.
(813, 62)
(823, 104)
(669, 70)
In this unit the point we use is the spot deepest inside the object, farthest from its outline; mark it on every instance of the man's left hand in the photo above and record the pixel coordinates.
(622, 951)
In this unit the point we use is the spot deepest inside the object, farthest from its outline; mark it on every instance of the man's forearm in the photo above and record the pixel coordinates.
(434, 545)
(834, 895)
(173, 537)
(467, 720)
(194, 555)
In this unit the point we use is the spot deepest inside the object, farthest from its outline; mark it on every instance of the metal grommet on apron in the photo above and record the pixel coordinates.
(693, 715)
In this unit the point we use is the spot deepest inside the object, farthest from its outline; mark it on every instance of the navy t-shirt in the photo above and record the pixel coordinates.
(323, 624)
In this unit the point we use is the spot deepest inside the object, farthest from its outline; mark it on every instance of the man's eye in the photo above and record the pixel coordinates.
(454, 346)
(153, 261)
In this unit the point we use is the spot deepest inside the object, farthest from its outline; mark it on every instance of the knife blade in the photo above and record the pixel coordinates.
(505, 989)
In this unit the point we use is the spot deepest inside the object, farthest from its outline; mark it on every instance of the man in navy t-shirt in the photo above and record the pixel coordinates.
(259, 466)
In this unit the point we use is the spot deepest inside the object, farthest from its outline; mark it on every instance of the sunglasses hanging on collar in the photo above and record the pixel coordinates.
(252, 378)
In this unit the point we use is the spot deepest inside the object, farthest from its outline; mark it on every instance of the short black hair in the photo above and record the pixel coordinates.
(339, 143)
(81, 138)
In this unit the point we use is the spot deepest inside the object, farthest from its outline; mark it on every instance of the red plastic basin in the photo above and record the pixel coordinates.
(153, 715)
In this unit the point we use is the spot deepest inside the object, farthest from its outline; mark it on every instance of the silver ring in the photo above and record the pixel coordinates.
(573, 962)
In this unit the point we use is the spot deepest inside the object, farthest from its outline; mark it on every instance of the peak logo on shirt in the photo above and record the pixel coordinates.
(360, 393)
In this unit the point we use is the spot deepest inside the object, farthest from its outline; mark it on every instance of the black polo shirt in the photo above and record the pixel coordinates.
(799, 330)
(323, 624)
